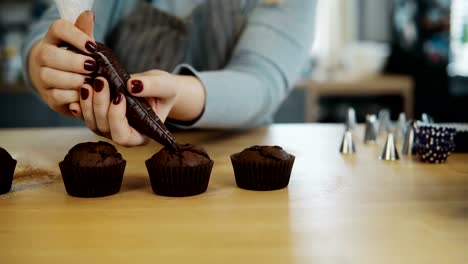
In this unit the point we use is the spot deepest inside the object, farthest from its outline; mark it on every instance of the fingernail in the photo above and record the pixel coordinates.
(84, 93)
(91, 47)
(89, 81)
(98, 85)
(90, 65)
(137, 86)
(74, 112)
(118, 98)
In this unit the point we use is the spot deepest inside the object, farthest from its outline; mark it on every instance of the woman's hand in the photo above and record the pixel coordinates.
(58, 73)
(178, 97)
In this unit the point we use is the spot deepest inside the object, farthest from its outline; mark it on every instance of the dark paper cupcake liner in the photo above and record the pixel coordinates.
(179, 181)
(6, 176)
(262, 176)
(88, 182)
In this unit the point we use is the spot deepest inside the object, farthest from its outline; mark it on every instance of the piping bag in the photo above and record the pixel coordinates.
(140, 115)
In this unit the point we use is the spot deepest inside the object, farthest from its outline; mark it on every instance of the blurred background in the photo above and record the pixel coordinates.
(404, 55)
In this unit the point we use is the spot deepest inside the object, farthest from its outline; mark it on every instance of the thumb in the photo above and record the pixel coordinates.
(85, 22)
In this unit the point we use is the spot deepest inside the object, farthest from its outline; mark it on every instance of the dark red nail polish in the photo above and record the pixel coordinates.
(90, 65)
(89, 81)
(98, 85)
(91, 47)
(118, 98)
(84, 93)
(137, 86)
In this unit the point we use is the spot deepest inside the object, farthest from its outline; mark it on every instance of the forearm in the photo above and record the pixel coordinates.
(240, 99)
(234, 98)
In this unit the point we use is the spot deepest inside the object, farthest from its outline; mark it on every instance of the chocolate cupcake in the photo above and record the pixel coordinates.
(182, 172)
(7, 165)
(92, 169)
(262, 168)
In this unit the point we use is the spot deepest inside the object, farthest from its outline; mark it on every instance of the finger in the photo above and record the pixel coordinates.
(60, 79)
(85, 22)
(86, 103)
(101, 102)
(75, 109)
(62, 97)
(63, 31)
(157, 85)
(89, 79)
(122, 133)
(65, 60)
(59, 100)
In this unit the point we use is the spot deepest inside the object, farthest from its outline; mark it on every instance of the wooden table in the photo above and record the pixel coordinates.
(337, 209)
(374, 85)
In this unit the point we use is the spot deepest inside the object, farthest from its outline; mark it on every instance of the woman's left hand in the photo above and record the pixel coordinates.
(178, 97)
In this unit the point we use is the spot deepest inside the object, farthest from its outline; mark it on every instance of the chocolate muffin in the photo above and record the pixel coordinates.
(92, 169)
(7, 165)
(262, 168)
(182, 172)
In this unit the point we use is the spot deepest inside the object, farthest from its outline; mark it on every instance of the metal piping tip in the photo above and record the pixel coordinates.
(385, 124)
(390, 151)
(347, 143)
(350, 121)
(409, 139)
(426, 118)
(401, 127)
(370, 132)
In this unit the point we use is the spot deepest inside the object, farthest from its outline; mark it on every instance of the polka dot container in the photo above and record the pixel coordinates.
(434, 143)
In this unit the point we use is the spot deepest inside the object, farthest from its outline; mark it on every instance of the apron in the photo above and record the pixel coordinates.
(149, 38)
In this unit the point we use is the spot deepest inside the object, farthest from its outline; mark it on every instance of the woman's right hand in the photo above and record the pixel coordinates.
(58, 73)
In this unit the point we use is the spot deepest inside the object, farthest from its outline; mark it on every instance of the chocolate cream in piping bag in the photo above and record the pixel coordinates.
(140, 115)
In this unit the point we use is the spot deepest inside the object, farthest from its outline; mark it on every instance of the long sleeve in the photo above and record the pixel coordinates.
(268, 59)
(109, 12)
